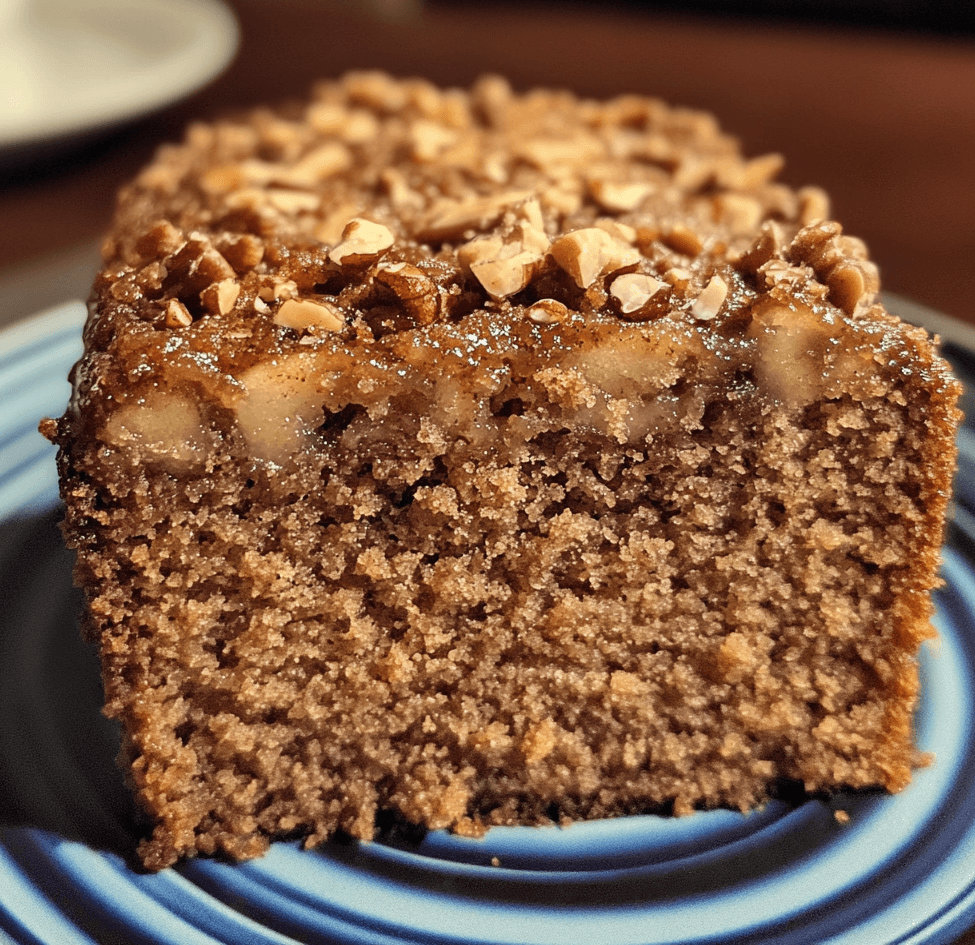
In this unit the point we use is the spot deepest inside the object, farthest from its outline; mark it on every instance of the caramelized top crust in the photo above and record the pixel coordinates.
(388, 228)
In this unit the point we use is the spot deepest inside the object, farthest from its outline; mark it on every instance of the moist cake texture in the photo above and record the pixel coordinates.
(494, 459)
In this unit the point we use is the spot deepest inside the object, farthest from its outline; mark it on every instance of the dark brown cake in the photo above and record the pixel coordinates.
(493, 459)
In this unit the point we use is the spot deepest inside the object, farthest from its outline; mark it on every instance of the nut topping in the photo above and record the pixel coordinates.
(177, 314)
(683, 239)
(414, 288)
(547, 312)
(243, 251)
(302, 314)
(709, 302)
(632, 290)
(591, 252)
(363, 242)
(619, 197)
(221, 297)
(279, 290)
(451, 219)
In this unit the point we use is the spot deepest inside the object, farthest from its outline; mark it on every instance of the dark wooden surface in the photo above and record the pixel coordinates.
(885, 122)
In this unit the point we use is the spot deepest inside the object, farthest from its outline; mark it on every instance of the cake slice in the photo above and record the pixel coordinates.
(494, 459)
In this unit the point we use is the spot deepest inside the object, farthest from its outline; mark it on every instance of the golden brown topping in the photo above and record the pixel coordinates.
(839, 262)
(813, 205)
(452, 219)
(683, 239)
(619, 197)
(506, 261)
(678, 277)
(384, 194)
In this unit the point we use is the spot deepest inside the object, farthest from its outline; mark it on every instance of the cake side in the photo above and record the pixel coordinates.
(494, 459)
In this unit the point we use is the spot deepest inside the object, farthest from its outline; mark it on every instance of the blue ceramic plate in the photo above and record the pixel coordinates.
(900, 870)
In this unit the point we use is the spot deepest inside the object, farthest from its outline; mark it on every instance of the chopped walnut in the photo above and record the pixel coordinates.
(579, 151)
(851, 284)
(401, 195)
(292, 201)
(506, 261)
(194, 267)
(150, 277)
(351, 125)
(451, 219)
(492, 97)
(430, 139)
(375, 89)
(547, 312)
(678, 277)
(177, 315)
(768, 245)
(839, 262)
(617, 197)
(320, 163)
(363, 242)
(682, 239)
(761, 170)
(620, 231)
(243, 251)
(502, 269)
(591, 252)
(813, 205)
(632, 291)
(741, 213)
(221, 297)
(161, 239)
(302, 314)
(707, 305)
(417, 292)
(286, 289)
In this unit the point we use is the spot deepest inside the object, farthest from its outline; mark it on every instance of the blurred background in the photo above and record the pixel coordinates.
(872, 99)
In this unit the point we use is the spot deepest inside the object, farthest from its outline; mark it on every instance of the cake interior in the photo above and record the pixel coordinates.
(596, 570)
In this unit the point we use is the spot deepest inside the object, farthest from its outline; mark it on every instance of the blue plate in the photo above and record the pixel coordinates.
(861, 868)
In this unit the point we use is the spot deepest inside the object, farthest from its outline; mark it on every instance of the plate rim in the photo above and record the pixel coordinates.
(212, 39)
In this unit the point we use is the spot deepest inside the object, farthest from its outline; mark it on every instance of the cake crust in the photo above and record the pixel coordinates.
(494, 459)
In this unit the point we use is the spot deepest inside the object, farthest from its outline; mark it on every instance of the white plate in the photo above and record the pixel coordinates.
(902, 870)
(71, 67)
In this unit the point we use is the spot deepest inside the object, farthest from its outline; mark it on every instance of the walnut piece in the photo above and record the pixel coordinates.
(363, 242)
(591, 252)
(547, 312)
(302, 314)
(177, 314)
(633, 290)
(417, 292)
(221, 297)
(707, 305)
(506, 261)
(451, 219)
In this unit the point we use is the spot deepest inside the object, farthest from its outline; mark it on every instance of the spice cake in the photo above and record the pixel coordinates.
(494, 459)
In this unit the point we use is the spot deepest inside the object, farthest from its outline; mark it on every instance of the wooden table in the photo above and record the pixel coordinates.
(885, 122)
